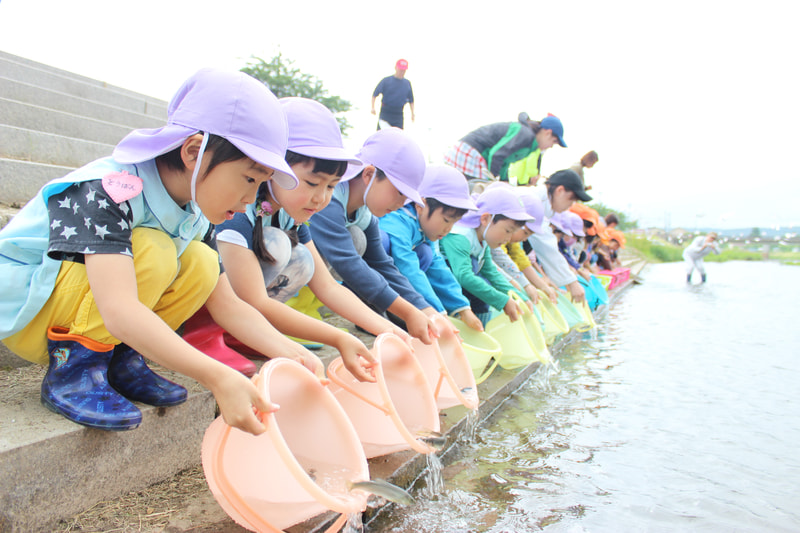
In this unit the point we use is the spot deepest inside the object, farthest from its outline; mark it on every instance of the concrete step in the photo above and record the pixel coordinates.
(20, 180)
(32, 73)
(9, 360)
(51, 468)
(39, 118)
(40, 147)
(42, 97)
(77, 77)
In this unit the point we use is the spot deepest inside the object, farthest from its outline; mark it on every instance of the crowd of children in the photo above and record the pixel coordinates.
(240, 201)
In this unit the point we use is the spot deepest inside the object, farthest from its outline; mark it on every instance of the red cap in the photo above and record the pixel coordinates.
(401, 64)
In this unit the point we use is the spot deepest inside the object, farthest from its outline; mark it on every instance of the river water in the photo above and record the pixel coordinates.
(681, 413)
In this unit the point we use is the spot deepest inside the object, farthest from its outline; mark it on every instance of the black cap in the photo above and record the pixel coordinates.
(570, 180)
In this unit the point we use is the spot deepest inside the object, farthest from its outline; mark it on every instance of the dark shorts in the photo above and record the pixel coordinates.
(393, 118)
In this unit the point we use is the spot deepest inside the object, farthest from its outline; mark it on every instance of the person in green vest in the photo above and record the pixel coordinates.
(487, 153)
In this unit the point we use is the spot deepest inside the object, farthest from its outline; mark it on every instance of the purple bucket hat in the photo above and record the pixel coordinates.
(574, 222)
(230, 104)
(535, 208)
(448, 186)
(497, 199)
(395, 153)
(314, 132)
(560, 224)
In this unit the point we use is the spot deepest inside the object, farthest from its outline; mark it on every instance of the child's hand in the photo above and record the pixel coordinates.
(356, 358)
(512, 310)
(552, 295)
(576, 291)
(296, 352)
(533, 294)
(471, 319)
(239, 400)
(421, 327)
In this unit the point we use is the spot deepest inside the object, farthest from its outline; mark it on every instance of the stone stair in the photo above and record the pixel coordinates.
(53, 121)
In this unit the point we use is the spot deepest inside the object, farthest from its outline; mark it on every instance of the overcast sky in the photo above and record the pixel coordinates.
(692, 106)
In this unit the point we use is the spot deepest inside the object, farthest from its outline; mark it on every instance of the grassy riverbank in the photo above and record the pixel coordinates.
(658, 250)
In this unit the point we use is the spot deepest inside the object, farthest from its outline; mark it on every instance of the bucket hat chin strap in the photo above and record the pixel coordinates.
(487, 229)
(197, 166)
(366, 190)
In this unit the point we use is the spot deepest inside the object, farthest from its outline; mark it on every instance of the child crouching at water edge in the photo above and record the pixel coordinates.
(103, 265)
(511, 259)
(561, 190)
(268, 252)
(347, 235)
(468, 251)
(411, 234)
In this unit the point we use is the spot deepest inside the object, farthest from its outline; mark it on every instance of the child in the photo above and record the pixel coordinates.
(694, 253)
(467, 249)
(267, 267)
(410, 236)
(560, 192)
(563, 228)
(105, 263)
(511, 258)
(346, 232)
(487, 153)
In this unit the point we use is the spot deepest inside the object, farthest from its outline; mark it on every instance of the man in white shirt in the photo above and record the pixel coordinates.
(694, 253)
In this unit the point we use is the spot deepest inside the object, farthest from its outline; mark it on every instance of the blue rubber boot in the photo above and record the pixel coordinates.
(702, 278)
(76, 384)
(129, 374)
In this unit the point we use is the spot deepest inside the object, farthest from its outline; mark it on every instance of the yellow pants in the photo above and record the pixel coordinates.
(173, 287)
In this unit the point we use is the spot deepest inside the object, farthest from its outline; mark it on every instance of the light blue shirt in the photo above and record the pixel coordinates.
(437, 284)
(28, 275)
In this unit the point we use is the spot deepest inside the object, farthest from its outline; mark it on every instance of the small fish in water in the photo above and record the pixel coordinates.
(422, 433)
(434, 442)
(383, 489)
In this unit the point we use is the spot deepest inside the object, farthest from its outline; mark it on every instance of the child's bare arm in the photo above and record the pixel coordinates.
(113, 282)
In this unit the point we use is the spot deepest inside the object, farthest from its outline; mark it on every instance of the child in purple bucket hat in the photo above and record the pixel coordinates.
(468, 250)
(411, 234)
(347, 235)
(104, 264)
(268, 252)
(511, 259)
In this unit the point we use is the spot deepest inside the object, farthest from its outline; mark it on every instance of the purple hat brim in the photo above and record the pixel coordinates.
(405, 190)
(534, 225)
(146, 144)
(330, 153)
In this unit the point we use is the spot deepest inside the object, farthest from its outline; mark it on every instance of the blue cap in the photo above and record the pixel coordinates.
(553, 123)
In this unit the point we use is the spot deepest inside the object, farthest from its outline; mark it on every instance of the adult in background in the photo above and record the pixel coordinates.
(588, 160)
(694, 253)
(488, 152)
(396, 91)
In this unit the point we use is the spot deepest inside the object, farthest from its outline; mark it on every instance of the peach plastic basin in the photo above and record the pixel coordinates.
(392, 413)
(446, 367)
(295, 470)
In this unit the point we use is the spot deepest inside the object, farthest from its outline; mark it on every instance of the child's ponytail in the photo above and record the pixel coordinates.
(264, 207)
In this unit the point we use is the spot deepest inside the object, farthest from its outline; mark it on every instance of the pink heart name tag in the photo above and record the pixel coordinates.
(122, 186)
